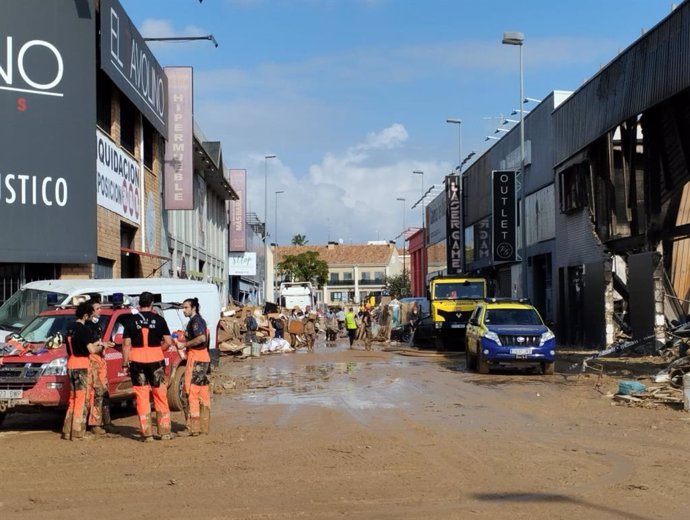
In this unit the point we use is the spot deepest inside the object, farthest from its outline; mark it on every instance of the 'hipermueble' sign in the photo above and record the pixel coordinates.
(179, 152)
(504, 213)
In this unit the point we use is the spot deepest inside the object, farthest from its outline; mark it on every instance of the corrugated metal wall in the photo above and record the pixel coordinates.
(651, 70)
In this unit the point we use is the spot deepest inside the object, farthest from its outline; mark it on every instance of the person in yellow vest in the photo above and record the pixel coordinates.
(145, 338)
(351, 326)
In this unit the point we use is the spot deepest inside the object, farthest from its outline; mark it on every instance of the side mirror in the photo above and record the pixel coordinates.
(117, 339)
(473, 321)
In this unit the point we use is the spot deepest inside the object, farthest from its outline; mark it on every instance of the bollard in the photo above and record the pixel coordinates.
(686, 392)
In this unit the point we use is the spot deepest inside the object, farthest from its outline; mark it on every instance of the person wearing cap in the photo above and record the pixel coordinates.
(196, 381)
(310, 330)
(145, 338)
(79, 344)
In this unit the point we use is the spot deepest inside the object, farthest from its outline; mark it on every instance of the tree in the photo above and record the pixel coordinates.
(398, 285)
(300, 240)
(304, 267)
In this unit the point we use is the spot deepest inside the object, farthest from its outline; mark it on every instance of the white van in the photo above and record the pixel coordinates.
(31, 298)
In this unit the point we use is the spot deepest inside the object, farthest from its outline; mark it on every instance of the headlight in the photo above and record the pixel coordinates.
(493, 337)
(546, 337)
(57, 367)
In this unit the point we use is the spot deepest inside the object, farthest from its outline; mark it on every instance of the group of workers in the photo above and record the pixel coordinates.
(146, 338)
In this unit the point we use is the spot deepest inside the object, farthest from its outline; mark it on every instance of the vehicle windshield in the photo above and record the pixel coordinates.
(512, 317)
(22, 307)
(43, 327)
(459, 291)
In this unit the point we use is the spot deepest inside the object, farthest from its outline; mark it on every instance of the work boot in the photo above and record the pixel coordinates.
(67, 427)
(98, 430)
(195, 426)
(163, 424)
(205, 420)
(184, 433)
(147, 438)
(166, 437)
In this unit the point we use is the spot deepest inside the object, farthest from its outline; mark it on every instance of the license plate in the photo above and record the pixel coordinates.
(10, 394)
(457, 325)
(521, 351)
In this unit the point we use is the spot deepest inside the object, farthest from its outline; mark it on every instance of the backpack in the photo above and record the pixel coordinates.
(277, 323)
(251, 323)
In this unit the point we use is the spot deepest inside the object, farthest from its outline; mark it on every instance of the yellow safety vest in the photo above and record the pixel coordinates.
(350, 322)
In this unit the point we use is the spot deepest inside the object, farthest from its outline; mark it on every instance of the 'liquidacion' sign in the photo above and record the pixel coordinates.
(504, 213)
(118, 181)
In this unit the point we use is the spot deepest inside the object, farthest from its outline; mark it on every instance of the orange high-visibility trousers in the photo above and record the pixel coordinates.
(74, 425)
(149, 378)
(196, 386)
(99, 397)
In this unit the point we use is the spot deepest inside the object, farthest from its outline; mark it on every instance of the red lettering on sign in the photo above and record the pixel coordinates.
(21, 104)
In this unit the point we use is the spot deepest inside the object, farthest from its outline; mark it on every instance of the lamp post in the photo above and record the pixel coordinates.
(517, 38)
(423, 270)
(402, 199)
(459, 123)
(266, 158)
(275, 278)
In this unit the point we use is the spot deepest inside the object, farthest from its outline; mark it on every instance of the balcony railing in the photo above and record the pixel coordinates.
(351, 283)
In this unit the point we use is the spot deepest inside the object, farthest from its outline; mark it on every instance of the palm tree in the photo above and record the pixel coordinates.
(300, 240)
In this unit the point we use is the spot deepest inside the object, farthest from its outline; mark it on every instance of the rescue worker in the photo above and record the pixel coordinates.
(145, 338)
(79, 346)
(99, 397)
(310, 331)
(196, 381)
(366, 326)
(351, 326)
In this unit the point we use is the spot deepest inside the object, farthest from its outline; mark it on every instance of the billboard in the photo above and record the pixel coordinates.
(505, 215)
(118, 179)
(454, 231)
(48, 107)
(237, 241)
(129, 62)
(179, 150)
(242, 264)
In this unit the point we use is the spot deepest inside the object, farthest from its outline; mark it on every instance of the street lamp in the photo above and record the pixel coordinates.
(459, 123)
(402, 199)
(517, 38)
(423, 270)
(275, 278)
(266, 158)
(183, 39)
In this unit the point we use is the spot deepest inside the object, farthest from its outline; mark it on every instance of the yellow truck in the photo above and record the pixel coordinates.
(453, 300)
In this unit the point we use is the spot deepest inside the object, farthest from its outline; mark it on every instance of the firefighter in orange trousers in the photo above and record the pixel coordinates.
(79, 346)
(196, 381)
(99, 397)
(145, 338)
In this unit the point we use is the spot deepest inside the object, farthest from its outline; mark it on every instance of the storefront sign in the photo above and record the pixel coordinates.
(48, 95)
(453, 225)
(482, 239)
(129, 62)
(242, 264)
(118, 182)
(505, 216)
(179, 151)
(436, 219)
(238, 212)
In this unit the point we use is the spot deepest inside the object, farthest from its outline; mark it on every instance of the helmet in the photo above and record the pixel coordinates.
(54, 341)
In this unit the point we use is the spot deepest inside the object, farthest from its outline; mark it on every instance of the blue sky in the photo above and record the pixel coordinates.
(352, 95)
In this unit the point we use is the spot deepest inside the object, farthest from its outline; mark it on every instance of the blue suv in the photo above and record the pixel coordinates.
(506, 332)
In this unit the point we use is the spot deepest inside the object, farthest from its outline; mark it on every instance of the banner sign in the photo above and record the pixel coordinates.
(436, 219)
(242, 264)
(238, 212)
(482, 239)
(118, 182)
(179, 151)
(505, 216)
(48, 107)
(454, 232)
(129, 62)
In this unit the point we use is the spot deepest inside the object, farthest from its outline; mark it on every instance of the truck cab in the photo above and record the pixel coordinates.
(33, 366)
(452, 301)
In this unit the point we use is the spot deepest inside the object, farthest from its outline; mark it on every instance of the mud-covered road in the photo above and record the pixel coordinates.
(354, 434)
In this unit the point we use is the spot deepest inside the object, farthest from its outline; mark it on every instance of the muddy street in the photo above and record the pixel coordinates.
(356, 434)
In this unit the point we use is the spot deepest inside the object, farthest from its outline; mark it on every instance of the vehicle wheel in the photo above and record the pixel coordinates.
(177, 399)
(438, 342)
(482, 364)
(406, 336)
(548, 368)
(2, 417)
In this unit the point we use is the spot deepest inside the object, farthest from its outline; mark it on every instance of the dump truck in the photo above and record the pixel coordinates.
(452, 301)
